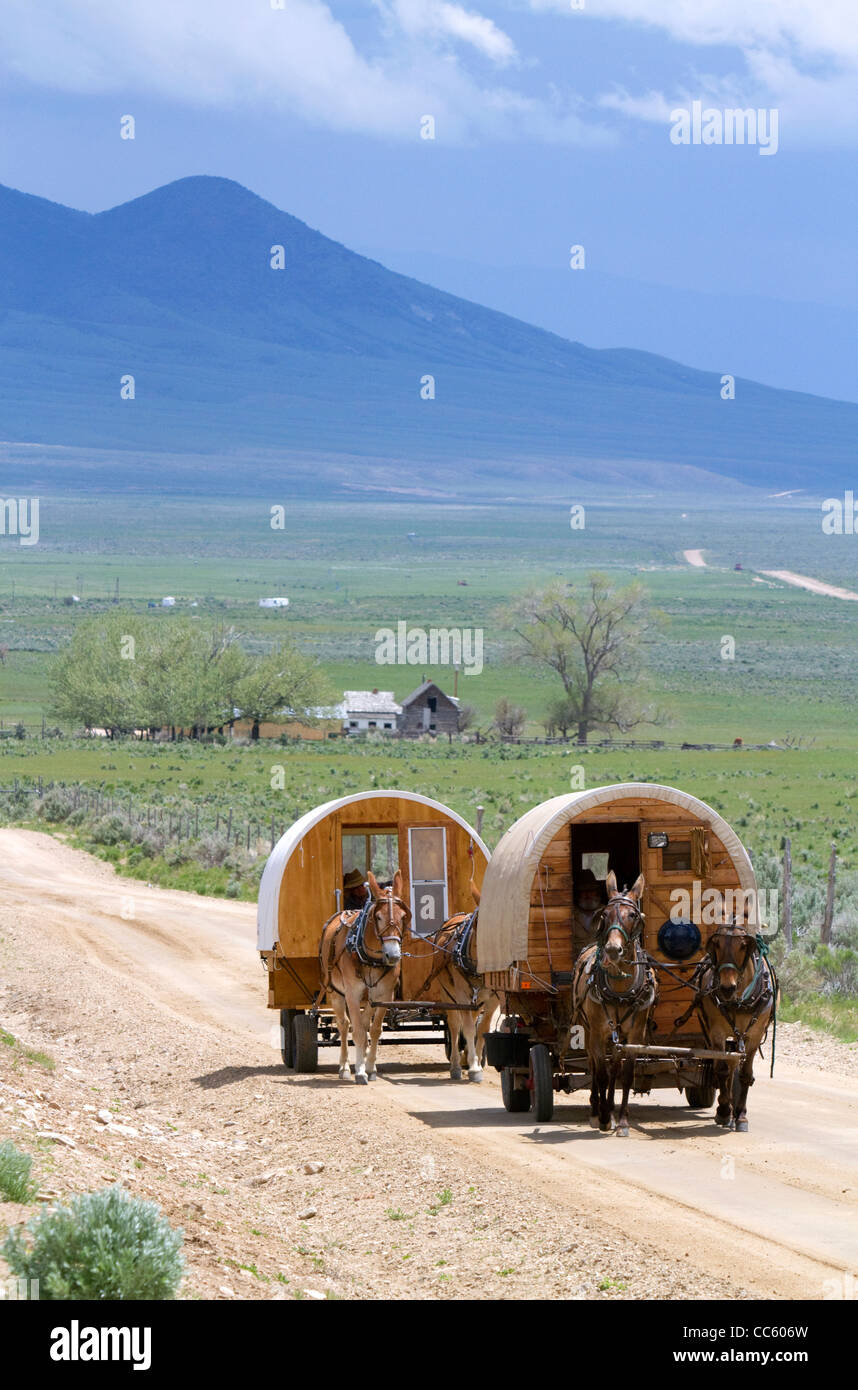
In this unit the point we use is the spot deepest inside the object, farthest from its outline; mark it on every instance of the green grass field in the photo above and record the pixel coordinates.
(351, 569)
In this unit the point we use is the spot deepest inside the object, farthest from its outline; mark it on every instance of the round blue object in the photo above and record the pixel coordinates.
(678, 940)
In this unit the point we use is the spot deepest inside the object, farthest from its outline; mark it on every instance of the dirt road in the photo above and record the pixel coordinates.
(694, 558)
(158, 997)
(815, 586)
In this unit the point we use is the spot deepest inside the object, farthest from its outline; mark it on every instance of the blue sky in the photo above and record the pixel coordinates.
(552, 127)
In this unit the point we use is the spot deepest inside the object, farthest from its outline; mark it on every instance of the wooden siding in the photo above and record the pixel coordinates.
(314, 872)
(552, 944)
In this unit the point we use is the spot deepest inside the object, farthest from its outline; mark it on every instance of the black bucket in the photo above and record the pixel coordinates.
(508, 1050)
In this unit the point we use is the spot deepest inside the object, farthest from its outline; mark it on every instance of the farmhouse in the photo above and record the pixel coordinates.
(364, 711)
(427, 710)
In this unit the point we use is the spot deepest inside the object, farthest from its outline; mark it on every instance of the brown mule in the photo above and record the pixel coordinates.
(360, 958)
(613, 992)
(455, 980)
(736, 1000)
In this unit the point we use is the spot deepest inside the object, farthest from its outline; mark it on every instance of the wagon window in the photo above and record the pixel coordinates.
(427, 853)
(371, 849)
(597, 864)
(676, 857)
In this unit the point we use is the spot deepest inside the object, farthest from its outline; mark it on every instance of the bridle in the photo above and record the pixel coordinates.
(732, 932)
(356, 936)
(600, 979)
(605, 928)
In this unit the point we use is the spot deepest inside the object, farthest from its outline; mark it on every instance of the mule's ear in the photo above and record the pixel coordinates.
(638, 887)
(611, 884)
(475, 893)
(397, 884)
(373, 884)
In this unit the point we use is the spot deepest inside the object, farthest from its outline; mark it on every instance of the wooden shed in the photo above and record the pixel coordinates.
(529, 936)
(302, 883)
(427, 710)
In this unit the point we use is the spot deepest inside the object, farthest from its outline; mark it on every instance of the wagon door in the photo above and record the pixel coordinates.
(676, 856)
(427, 860)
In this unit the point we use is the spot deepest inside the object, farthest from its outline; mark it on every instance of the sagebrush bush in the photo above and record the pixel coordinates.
(55, 806)
(110, 830)
(16, 1185)
(103, 1246)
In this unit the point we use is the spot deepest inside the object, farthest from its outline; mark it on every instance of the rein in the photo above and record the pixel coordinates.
(456, 954)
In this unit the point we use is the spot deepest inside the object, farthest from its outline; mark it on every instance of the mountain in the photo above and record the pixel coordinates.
(799, 345)
(311, 374)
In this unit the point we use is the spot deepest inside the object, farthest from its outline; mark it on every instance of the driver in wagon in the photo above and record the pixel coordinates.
(354, 890)
(589, 897)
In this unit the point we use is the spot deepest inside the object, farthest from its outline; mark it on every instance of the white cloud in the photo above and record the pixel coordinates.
(299, 59)
(817, 27)
(798, 55)
(437, 18)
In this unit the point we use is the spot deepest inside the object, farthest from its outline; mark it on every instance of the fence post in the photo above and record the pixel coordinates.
(273, 842)
(825, 933)
(787, 892)
(229, 826)
(480, 810)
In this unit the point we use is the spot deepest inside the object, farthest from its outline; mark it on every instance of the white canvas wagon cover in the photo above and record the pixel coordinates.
(505, 904)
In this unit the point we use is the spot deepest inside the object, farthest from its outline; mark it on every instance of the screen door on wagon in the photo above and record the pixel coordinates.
(427, 856)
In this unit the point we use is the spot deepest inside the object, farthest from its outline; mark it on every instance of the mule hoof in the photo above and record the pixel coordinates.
(373, 1076)
(475, 1076)
(345, 1073)
(593, 1122)
(722, 1120)
(455, 1075)
(361, 1079)
(742, 1126)
(622, 1131)
(731, 1123)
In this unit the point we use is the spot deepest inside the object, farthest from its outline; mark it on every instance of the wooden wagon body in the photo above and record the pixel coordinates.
(530, 937)
(303, 885)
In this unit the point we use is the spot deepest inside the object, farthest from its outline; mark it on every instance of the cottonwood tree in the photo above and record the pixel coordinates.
(284, 680)
(124, 673)
(591, 636)
(95, 681)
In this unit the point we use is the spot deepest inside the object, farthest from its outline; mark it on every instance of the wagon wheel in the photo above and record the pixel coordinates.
(515, 1098)
(305, 1043)
(700, 1097)
(542, 1080)
(287, 1044)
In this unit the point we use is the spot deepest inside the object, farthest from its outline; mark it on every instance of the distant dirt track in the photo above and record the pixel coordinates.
(695, 559)
(776, 1208)
(816, 586)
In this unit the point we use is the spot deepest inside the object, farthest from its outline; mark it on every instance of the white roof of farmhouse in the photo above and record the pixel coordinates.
(508, 884)
(370, 702)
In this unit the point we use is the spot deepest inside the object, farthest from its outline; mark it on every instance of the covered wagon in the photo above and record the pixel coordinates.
(532, 930)
(309, 876)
